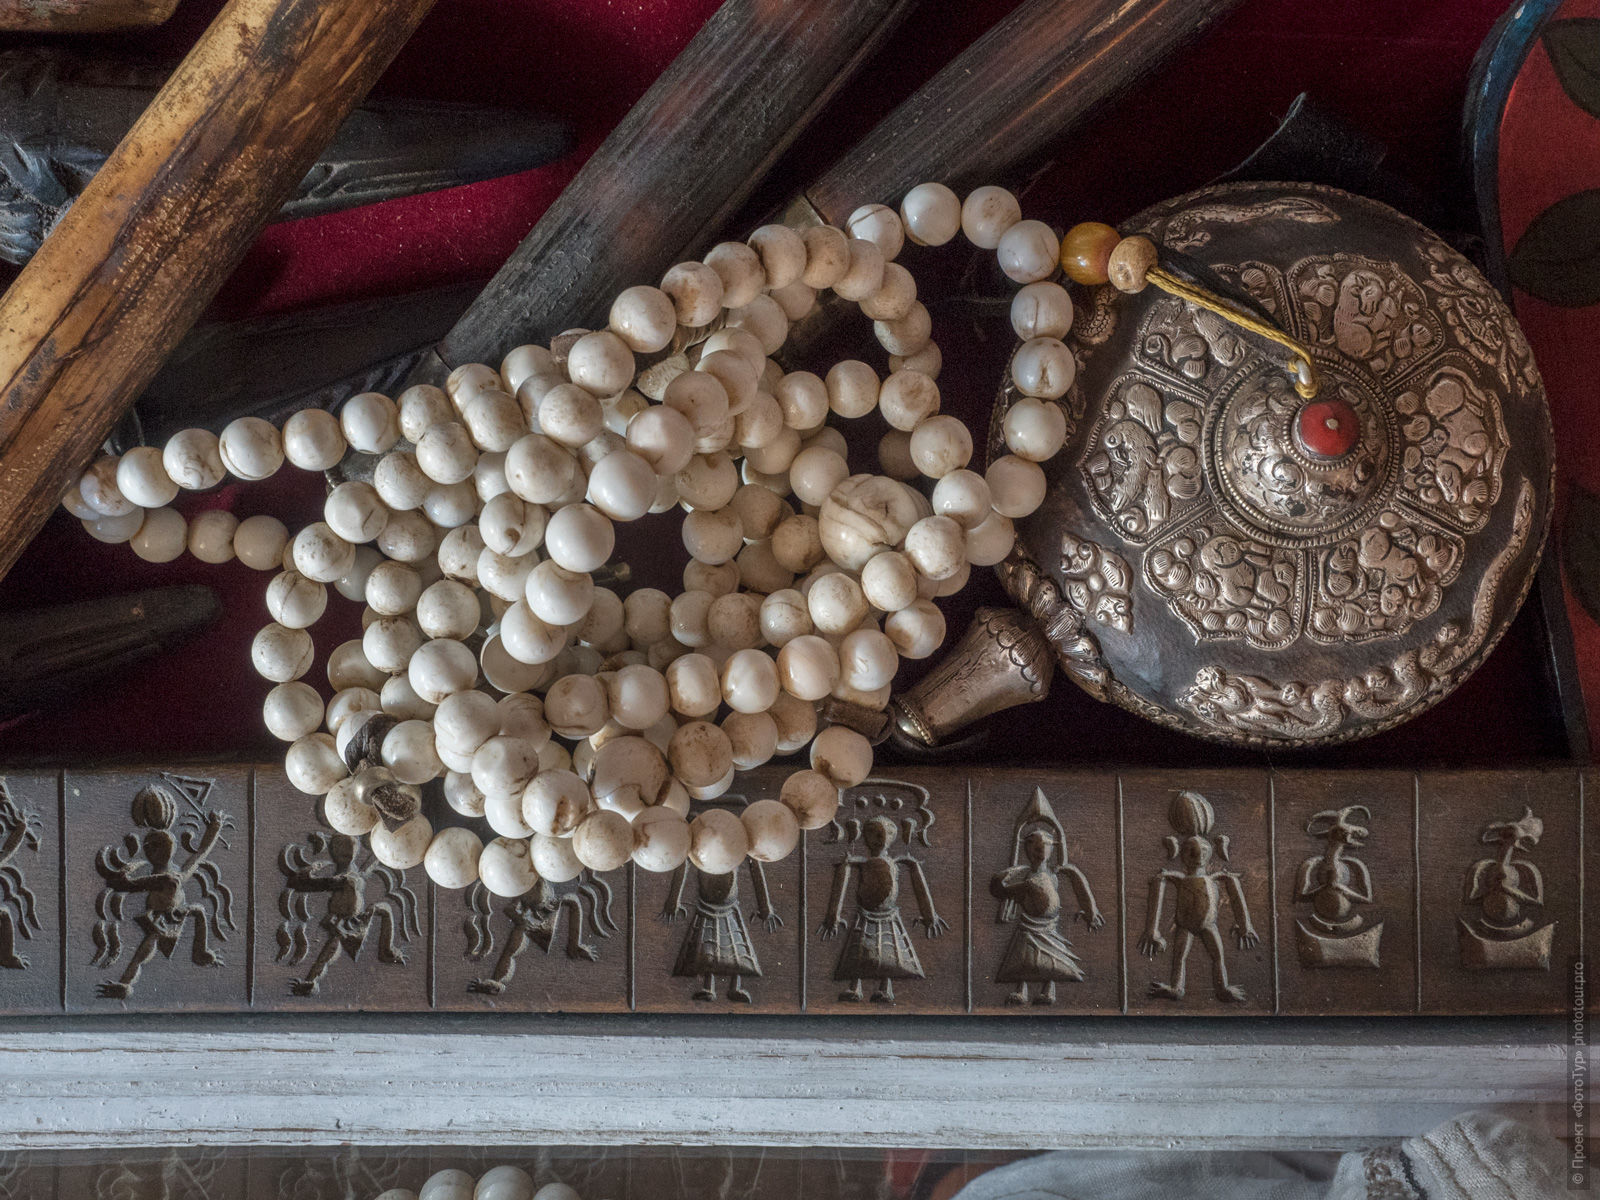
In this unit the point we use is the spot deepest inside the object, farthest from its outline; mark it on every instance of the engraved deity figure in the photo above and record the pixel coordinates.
(145, 866)
(1030, 895)
(1507, 892)
(347, 918)
(535, 918)
(1200, 888)
(717, 944)
(1336, 883)
(878, 945)
(19, 917)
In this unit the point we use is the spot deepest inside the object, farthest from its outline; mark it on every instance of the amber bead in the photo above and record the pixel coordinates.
(1086, 250)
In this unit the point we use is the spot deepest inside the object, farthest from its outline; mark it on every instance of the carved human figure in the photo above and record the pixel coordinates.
(1199, 888)
(878, 945)
(165, 888)
(1029, 892)
(717, 944)
(347, 917)
(535, 917)
(19, 917)
(1335, 883)
(1504, 896)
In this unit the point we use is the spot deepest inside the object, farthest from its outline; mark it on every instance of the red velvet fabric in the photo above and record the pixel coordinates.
(1398, 70)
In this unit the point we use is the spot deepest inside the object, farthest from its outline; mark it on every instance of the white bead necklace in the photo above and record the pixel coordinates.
(806, 581)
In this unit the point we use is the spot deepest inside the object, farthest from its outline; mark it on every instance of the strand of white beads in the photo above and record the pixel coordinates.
(497, 1183)
(663, 698)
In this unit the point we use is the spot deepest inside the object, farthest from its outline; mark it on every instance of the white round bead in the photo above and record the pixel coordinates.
(312, 764)
(448, 609)
(603, 841)
(986, 214)
(296, 601)
(709, 481)
(392, 589)
(408, 537)
(908, 334)
(964, 497)
(1035, 429)
(503, 812)
(880, 225)
(936, 546)
(354, 511)
(580, 538)
(423, 406)
(843, 755)
(558, 596)
(644, 318)
(664, 436)
(555, 803)
(1028, 252)
(211, 535)
(527, 638)
(702, 757)
(803, 399)
(622, 486)
(889, 581)
(928, 360)
(553, 858)
(916, 630)
(940, 445)
(827, 256)
(808, 667)
(660, 840)
(260, 541)
(162, 535)
(441, 668)
(867, 660)
(752, 736)
(501, 576)
(749, 681)
(506, 868)
(865, 274)
(446, 454)
(1043, 367)
(693, 686)
(495, 420)
(389, 643)
(637, 696)
(465, 720)
(576, 706)
(402, 849)
(504, 765)
(312, 440)
(990, 542)
(280, 653)
(321, 554)
(192, 460)
(400, 700)
(251, 448)
(540, 470)
(510, 525)
(571, 415)
(292, 710)
(451, 859)
(907, 398)
(931, 213)
(141, 479)
(764, 320)
(370, 422)
(718, 842)
(815, 472)
(836, 603)
(1041, 310)
(400, 481)
(1016, 485)
(772, 830)
(782, 252)
(468, 380)
(739, 269)
(696, 293)
(852, 388)
(344, 809)
(812, 797)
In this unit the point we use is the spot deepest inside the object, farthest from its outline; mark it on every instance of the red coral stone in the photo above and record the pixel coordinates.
(1328, 428)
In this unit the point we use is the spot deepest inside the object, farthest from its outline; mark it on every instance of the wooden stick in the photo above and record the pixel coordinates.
(82, 16)
(152, 238)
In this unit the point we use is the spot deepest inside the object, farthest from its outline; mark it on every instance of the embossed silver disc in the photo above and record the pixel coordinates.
(1226, 558)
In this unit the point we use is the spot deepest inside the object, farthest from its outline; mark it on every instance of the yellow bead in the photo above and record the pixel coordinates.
(1085, 251)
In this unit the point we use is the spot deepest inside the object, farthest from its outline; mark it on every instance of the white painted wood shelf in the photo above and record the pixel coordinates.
(1028, 1084)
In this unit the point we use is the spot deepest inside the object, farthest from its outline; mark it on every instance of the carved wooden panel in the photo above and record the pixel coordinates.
(1004, 892)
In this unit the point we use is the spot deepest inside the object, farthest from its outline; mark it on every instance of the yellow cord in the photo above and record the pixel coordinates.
(1306, 381)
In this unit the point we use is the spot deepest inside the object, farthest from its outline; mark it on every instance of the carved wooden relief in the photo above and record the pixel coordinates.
(182, 1174)
(999, 891)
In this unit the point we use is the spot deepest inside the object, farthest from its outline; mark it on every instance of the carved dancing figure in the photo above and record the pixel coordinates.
(1199, 888)
(535, 916)
(165, 888)
(19, 916)
(878, 946)
(1030, 895)
(1335, 882)
(717, 944)
(347, 918)
(1508, 893)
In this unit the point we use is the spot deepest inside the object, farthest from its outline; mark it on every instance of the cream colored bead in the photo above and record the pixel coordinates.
(690, 615)
(622, 486)
(451, 859)
(527, 638)
(803, 399)
(465, 720)
(532, 393)
(163, 535)
(352, 585)
(908, 334)
(98, 488)
(451, 505)
(759, 511)
(604, 841)
(1028, 252)
(713, 536)
(446, 453)
(644, 318)
(880, 225)
(259, 542)
(603, 627)
(1016, 485)
(348, 667)
(637, 696)
(797, 300)
(462, 794)
(738, 371)
(964, 497)
(501, 575)
(647, 616)
(511, 526)
(251, 448)
(868, 660)
(760, 572)
(907, 398)
(784, 617)
(808, 667)
(660, 840)
(370, 422)
(895, 298)
(936, 546)
(115, 531)
(865, 514)
(739, 268)
(1043, 367)
(865, 274)
(494, 419)
(558, 596)
(700, 754)
(193, 460)
(540, 470)
(460, 551)
(753, 737)
(782, 252)
(843, 755)
(749, 681)
(72, 500)
(506, 868)
(571, 415)
(931, 214)
(693, 686)
(504, 765)
(889, 580)
(940, 445)
(1041, 310)
(826, 438)
(468, 380)
(400, 700)
(503, 812)
(580, 538)
(404, 847)
(990, 542)
(718, 842)
(894, 455)
(759, 423)
(313, 440)
(772, 830)
(764, 320)
(663, 435)
(576, 706)
(441, 668)
(733, 622)
(986, 215)
(389, 643)
(555, 803)
(400, 481)
(796, 720)
(407, 537)
(344, 809)
(715, 579)
(355, 512)
(696, 293)
(916, 630)
(522, 716)
(418, 409)
(775, 457)
(708, 482)
(321, 554)
(292, 710)
(296, 601)
(1035, 429)
(507, 674)
(928, 360)
(211, 535)
(836, 603)
(797, 543)
(827, 256)
(622, 408)
(141, 479)
(812, 797)
(815, 472)
(312, 764)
